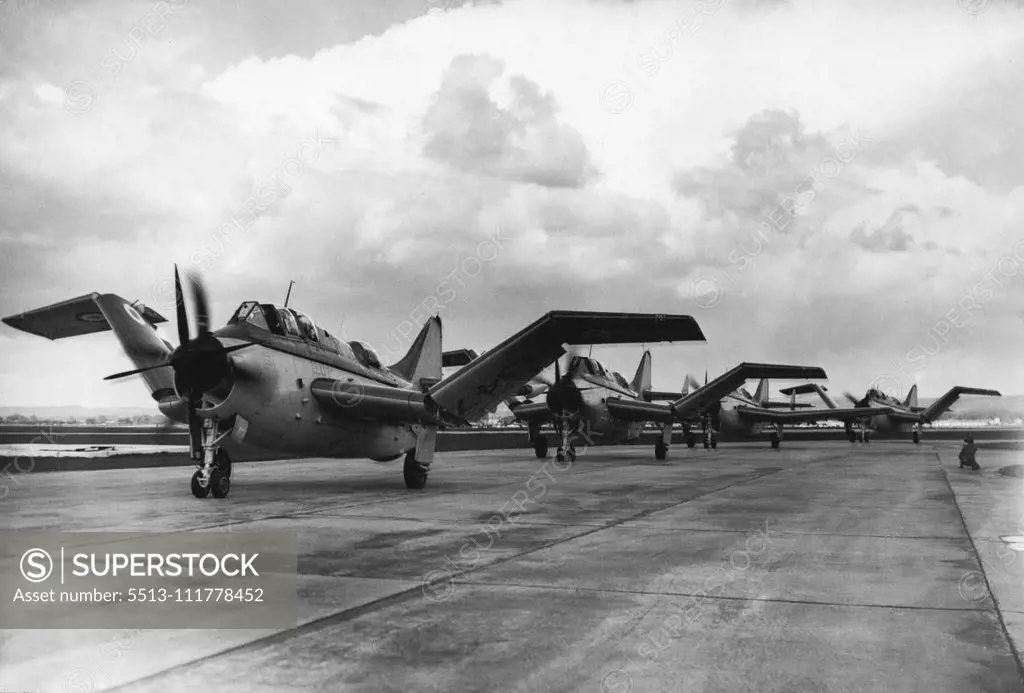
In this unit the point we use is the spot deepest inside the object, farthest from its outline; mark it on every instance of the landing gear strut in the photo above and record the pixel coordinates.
(565, 448)
(916, 436)
(213, 473)
(540, 446)
(776, 437)
(660, 449)
(415, 473)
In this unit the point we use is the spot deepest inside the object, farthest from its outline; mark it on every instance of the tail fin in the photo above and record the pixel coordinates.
(133, 324)
(690, 384)
(642, 380)
(911, 400)
(422, 364)
(761, 394)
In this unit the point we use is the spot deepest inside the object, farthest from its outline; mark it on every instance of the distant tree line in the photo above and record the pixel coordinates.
(99, 420)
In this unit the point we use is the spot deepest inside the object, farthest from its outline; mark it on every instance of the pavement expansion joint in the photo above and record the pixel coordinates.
(721, 597)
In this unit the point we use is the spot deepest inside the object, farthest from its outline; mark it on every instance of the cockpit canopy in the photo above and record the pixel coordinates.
(288, 322)
(365, 354)
(877, 394)
(588, 366)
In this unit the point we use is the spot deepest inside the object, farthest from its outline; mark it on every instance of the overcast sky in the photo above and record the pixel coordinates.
(817, 182)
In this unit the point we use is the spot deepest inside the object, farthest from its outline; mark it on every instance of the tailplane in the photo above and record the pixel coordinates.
(422, 364)
(133, 324)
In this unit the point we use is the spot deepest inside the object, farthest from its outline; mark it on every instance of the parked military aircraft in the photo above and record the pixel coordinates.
(858, 428)
(723, 404)
(592, 400)
(908, 412)
(273, 379)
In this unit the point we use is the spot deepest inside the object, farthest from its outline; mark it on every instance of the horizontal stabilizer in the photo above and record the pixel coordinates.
(810, 388)
(457, 358)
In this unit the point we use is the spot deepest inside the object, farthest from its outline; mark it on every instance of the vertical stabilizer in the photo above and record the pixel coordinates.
(642, 380)
(911, 400)
(761, 393)
(422, 364)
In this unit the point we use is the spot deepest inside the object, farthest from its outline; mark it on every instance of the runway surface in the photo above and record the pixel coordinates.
(817, 567)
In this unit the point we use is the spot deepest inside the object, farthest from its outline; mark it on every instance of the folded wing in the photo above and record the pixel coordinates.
(707, 396)
(498, 374)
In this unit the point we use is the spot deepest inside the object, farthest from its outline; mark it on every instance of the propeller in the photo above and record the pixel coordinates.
(857, 402)
(199, 364)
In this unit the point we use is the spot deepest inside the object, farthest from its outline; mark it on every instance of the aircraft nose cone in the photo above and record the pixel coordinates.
(199, 365)
(564, 396)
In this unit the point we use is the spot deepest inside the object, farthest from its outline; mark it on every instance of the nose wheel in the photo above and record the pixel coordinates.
(213, 473)
(565, 449)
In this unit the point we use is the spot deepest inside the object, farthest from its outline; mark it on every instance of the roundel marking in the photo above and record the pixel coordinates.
(134, 314)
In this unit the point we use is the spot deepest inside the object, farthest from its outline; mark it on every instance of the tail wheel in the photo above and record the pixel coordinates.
(540, 446)
(198, 490)
(415, 473)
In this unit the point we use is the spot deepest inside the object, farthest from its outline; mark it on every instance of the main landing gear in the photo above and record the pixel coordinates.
(916, 436)
(213, 473)
(566, 451)
(860, 434)
(540, 446)
(660, 449)
(776, 437)
(415, 473)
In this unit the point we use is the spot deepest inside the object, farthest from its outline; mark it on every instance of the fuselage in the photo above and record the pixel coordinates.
(268, 389)
(585, 392)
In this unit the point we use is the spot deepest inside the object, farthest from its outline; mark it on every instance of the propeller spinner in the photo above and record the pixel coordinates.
(199, 364)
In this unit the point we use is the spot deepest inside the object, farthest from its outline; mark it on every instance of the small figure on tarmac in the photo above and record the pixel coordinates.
(967, 453)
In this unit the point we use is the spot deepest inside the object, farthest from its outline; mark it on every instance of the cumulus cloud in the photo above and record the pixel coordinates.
(445, 129)
(524, 141)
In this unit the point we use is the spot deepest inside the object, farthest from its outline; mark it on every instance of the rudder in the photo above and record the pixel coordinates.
(642, 380)
(421, 365)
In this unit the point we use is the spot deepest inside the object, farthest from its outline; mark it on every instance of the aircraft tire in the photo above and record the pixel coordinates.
(540, 446)
(572, 454)
(198, 490)
(224, 462)
(220, 484)
(415, 474)
(660, 450)
(917, 437)
(706, 445)
(559, 457)
(714, 443)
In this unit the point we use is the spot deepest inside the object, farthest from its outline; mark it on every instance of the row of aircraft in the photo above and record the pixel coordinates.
(273, 379)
